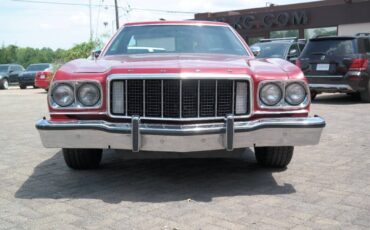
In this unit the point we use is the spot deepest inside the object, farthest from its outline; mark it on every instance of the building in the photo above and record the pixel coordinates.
(304, 20)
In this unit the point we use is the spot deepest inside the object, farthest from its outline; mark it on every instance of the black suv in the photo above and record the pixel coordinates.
(27, 78)
(285, 48)
(9, 73)
(338, 64)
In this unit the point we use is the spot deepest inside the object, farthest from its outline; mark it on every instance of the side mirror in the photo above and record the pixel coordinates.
(293, 53)
(256, 50)
(95, 54)
(11, 71)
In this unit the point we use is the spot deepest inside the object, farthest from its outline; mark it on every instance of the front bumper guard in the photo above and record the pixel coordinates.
(139, 136)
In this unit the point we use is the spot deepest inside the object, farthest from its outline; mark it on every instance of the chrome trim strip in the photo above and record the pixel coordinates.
(144, 98)
(181, 138)
(198, 98)
(180, 98)
(283, 105)
(135, 133)
(181, 76)
(162, 99)
(216, 101)
(229, 145)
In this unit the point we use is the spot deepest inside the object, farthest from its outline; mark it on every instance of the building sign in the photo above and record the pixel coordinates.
(267, 21)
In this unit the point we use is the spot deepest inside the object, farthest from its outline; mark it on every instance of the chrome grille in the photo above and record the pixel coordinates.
(174, 98)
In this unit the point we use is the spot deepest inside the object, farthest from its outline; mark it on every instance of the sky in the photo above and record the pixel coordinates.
(38, 25)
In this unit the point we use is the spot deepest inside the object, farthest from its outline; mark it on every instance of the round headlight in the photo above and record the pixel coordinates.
(295, 94)
(63, 95)
(88, 94)
(270, 94)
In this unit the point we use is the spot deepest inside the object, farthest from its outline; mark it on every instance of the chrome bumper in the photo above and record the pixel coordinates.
(330, 87)
(181, 138)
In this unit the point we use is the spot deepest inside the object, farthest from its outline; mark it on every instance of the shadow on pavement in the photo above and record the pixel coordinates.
(152, 180)
(337, 99)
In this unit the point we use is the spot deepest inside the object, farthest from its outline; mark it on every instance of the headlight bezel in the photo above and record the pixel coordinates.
(286, 94)
(278, 85)
(55, 101)
(78, 96)
(76, 105)
(283, 104)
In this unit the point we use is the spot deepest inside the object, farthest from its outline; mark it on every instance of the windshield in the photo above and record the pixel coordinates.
(37, 67)
(176, 39)
(271, 49)
(4, 68)
(329, 47)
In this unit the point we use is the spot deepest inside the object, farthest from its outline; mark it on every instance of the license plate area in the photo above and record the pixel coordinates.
(322, 67)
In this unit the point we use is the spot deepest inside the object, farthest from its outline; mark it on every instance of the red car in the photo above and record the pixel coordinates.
(43, 79)
(178, 86)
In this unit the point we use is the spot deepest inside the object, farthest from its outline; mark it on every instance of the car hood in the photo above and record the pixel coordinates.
(168, 63)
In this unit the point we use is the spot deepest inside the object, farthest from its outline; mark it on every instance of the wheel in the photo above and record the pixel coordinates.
(313, 95)
(82, 158)
(365, 95)
(35, 87)
(4, 84)
(278, 157)
(22, 86)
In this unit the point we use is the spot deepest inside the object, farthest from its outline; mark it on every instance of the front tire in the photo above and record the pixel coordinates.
(4, 84)
(277, 157)
(81, 159)
(22, 86)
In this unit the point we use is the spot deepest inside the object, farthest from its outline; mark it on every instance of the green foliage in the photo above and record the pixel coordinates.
(26, 56)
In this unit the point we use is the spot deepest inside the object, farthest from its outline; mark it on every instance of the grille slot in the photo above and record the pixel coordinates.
(174, 98)
(135, 97)
(224, 97)
(171, 98)
(153, 98)
(189, 98)
(207, 98)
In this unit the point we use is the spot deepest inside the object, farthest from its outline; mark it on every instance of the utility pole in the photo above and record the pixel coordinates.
(117, 19)
(91, 32)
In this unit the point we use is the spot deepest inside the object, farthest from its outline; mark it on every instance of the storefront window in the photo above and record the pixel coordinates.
(284, 34)
(253, 40)
(324, 31)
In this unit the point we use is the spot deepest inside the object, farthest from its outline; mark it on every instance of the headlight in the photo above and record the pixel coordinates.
(63, 95)
(270, 94)
(88, 94)
(295, 94)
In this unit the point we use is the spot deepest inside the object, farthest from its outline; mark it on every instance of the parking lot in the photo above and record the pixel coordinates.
(325, 186)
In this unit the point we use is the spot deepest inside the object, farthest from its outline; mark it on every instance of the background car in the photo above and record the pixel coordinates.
(338, 64)
(43, 79)
(9, 74)
(285, 48)
(27, 78)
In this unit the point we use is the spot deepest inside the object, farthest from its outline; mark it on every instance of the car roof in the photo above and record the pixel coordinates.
(184, 22)
(332, 38)
(40, 64)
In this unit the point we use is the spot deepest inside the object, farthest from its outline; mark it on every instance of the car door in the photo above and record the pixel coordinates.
(13, 74)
